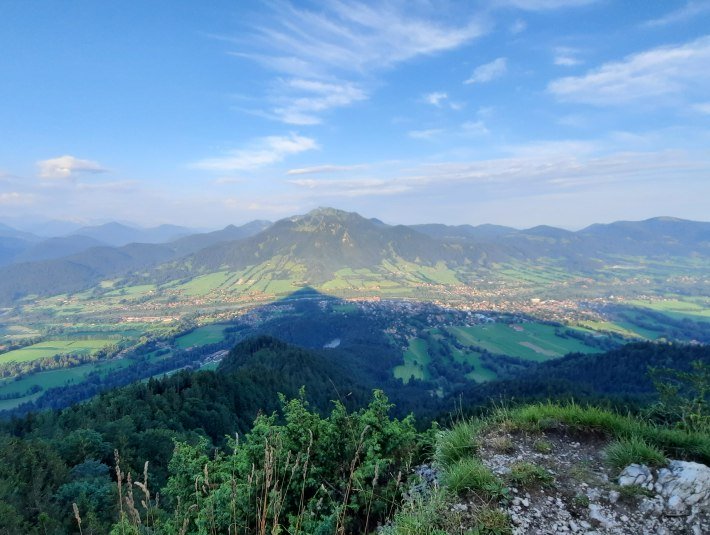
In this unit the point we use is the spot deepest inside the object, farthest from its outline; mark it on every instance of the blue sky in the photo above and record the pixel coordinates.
(517, 112)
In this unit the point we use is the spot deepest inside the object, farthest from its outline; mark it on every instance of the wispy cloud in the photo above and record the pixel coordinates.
(474, 127)
(566, 56)
(488, 71)
(544, 5)
(688, 11)
(323, 169)
(543, 167)
(67, 167)
(436, 98)
(328, 53)
(429, 133)
(305, 99)
(702, 107)
(519, 26)
(15, 198)
(667, 70)
(358, 187)
(115, 186)
(261, 152)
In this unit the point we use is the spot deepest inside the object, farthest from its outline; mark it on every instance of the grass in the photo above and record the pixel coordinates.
(55, 347)
(416, 360)
(459, 442)
(471, 475)
(574, 417)
(208, 334)
(542, 446)
(52, 379)
(621, 453)
(530, 341)
(525, 474)
(435, 516)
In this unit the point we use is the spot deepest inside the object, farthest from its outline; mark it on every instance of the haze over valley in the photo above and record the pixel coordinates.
(345, 267)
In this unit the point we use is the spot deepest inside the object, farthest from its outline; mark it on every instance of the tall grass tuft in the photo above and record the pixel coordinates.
(621, 453)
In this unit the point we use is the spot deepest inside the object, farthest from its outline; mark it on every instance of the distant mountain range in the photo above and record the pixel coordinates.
(315, 246)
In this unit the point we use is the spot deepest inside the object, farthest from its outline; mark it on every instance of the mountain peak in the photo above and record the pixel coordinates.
(326, 211)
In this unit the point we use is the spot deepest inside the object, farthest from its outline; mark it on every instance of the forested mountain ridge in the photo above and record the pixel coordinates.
(50, 460)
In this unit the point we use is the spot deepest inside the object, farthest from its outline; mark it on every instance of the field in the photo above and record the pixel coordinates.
(52, 379)
(55, 347)
(531, 341)
(416, 360)
(698, 310)
(209, 334)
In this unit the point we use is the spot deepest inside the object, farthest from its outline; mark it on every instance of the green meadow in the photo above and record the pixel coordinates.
(55, 347)
(208, 334)
(52, 379)
(531, 341)
(416, 360)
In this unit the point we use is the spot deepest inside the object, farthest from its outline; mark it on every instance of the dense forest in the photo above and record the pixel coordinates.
(50, 460)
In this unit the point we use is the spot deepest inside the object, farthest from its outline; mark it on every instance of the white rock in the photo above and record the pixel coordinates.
(614, 496)
(598, 516)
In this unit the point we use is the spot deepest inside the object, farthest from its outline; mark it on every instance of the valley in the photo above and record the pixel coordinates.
(519, 296)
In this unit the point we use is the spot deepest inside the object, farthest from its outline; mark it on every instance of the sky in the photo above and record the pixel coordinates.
(514, 112)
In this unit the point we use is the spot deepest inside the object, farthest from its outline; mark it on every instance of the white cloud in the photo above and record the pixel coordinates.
(518, 26)
(323, 169)
(540, 168)
(262, 152)
(352, 36)
(304, 99)
(425, 134)
(488, 71)
(435, 98)
(702, 107)
(474, 127)
(67, 167)
(542, 5)
(359, 187)
(566, 56)
(341, 45)
(687, 12)
(654, 73)
(14, 197)
(118, 186)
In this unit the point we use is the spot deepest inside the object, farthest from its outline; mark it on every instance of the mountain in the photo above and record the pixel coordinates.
(57, 248)
(195, 242)
(666, 235)
(326, 240)
(654, 237)
(52, 228)
(13, 242)
(89, 266)
(326, 244)
(464, 232)
(117, 234)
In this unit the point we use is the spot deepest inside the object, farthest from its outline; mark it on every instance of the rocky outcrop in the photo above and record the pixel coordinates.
(681, 489)
(587, 497)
